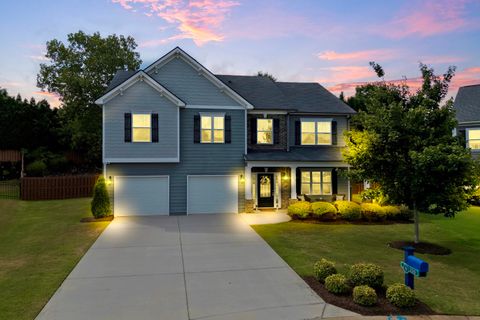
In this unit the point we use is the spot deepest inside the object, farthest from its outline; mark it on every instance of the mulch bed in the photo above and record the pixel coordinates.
(93, 219)
(383, 307)
(422, 247)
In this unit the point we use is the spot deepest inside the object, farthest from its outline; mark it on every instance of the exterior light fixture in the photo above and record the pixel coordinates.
(242, 178)
(109, 181)
(285, 176)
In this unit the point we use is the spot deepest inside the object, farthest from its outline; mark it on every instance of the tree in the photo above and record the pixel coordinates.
(79, 73)
(266, 75)
(342, 96)
(403, 141)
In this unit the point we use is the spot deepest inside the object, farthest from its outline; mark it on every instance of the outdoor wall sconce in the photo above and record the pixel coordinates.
(285, 176)
(242, 178)
(109, 181)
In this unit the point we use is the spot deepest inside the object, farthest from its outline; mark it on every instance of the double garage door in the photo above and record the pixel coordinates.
(150, 195)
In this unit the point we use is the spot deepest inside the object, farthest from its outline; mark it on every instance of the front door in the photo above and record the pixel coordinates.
(265, 190)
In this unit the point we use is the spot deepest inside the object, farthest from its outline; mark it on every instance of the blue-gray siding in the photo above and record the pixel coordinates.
(193, 88)
(140, 97)
(195, 159)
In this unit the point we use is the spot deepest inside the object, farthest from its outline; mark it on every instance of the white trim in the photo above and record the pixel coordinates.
(467, 138)
(277, 199)
(469, 122)
(296, 164)
(146, 176)
(212, 116)
(140, 160)
(140, 76)
(149, 127)
(211, 175)
(179, 53)
(103, 135)
(311, 183)
(267, 112)
(316, 120)
(197, 106)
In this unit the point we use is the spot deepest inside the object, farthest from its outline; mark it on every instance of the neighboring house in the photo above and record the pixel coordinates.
(467, 108)
(178, 139)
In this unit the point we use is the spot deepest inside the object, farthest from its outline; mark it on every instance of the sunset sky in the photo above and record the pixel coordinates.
(330, 42)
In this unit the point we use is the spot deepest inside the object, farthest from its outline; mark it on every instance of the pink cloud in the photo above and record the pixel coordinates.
(52, 98)
(342, 74)
(431, 17)
(365, 55)
(199, 20)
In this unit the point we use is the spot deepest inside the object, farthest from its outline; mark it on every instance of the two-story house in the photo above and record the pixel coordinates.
(178, 139)
(467, 109)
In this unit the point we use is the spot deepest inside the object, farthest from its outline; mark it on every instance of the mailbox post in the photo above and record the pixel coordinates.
(413, 266)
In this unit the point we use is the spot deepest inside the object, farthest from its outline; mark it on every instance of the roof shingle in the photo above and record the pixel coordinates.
(467, 103)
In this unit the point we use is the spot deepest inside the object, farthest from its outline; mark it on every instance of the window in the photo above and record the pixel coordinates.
(265, 131)
(473, 139)
(212, 129)
(141, 127)
(316, 182)
(316, 132)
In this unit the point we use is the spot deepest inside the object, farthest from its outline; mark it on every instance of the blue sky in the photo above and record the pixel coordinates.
(329, 42)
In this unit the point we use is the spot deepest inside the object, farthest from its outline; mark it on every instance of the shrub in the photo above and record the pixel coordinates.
(300, 210)
(373, 212)
(323, 268)
(357, 198)
(324, 210)
(400, 295)
(392, 212)
(405, 213)
(37, 168)
(348, 210)
(337, 284)
(364, 296)
(368, 274)
(100, 205)
(374, 195)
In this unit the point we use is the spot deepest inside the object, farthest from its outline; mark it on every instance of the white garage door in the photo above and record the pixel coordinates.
(212, 194)
(140, 196)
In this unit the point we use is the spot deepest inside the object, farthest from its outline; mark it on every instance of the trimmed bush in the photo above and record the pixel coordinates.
(37, 168)
(324, 210)
(364, 296)
(400, 295)
(300, 210)
(100, 205)
(368, 274)
(373, 212)
(337, 284)
(392, 212)
(323, 268)
(348, 210)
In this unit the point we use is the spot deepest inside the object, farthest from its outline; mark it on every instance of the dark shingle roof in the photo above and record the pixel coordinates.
(119, 77)
(327, 153)
(467, 103)
(264, 93)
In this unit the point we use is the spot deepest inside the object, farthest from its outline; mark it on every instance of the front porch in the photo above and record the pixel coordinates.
(276, 185)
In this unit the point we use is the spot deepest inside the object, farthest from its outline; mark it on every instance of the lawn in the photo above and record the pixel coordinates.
(40, 243)
(452, 285)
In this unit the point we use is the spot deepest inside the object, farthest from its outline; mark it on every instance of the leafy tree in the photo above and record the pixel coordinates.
(403, 141)
(377, 68)
(100, 205)
(342, 96)
(79, 73)
(266, 75)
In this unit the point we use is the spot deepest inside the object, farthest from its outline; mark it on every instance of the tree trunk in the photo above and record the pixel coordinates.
(416, 218)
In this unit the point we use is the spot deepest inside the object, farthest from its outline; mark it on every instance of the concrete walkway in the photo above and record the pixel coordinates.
(265, 217)
(189, 267)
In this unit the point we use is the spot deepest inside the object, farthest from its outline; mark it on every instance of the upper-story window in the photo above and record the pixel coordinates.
(265, 131)
(316, 182)
(212, 129)
(473, 139)
(141, 127)
(316, 132)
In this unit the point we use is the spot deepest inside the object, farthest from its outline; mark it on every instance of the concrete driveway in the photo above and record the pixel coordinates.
(186, 267)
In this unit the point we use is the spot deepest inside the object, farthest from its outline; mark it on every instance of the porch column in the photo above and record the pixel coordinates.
(248, 182)
(293, 182)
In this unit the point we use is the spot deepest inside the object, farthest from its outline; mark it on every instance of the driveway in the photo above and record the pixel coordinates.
(186, 267)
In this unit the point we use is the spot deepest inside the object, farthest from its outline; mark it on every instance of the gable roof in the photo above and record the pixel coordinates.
(302, 97)
(134, 78)
(119, 77)
(177, 52)
(467, 104)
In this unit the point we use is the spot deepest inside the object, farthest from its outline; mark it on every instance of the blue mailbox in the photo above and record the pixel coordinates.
(413, 266)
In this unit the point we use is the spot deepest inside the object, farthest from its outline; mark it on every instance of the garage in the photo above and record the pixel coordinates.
(212, 194)
(141, 195)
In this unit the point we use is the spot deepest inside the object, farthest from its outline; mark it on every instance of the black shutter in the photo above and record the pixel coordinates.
(276, 131)
(297, 133)
(228, 129)
(128, 127)
(462, 136)
(253, 130)
(196, 129)
(154, 127)
(298, 181)
(334, 181)
(334, 132)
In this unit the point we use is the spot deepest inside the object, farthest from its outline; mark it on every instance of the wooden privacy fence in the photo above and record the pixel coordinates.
(62, 187)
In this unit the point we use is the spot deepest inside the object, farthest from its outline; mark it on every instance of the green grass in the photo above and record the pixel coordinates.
(452, 285)
(40, 243)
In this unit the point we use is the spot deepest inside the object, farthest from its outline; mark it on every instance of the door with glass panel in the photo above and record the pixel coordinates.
(265, 190)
